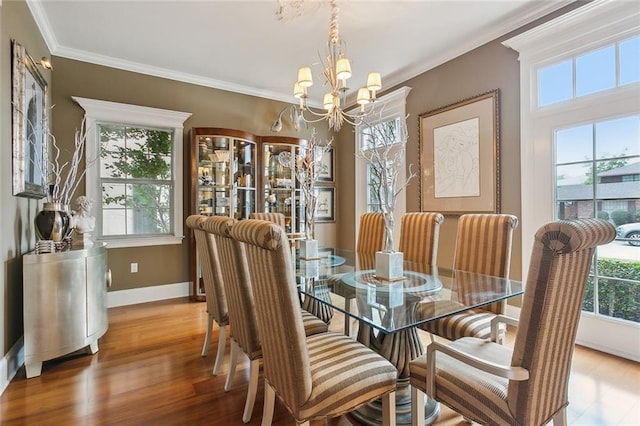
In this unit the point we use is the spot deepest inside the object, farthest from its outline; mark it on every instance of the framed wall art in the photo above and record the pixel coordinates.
(326, 204)
(459, 156)
(29, 125)
(326, 166)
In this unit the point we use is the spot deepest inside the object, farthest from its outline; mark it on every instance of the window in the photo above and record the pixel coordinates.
(137, 175)
(594, 71)
(391, 112)
(391, 130)
(580, 152)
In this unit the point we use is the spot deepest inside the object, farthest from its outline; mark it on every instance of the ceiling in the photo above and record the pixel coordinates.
(243, 46)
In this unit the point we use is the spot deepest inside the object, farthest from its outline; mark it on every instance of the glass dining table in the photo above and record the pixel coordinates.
(389, 313)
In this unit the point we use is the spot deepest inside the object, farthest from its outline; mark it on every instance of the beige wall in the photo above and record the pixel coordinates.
(488, 67)
(485, 68)
(16, 214)
(209, 107)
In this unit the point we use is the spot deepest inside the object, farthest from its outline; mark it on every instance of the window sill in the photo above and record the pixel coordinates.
(141, 241)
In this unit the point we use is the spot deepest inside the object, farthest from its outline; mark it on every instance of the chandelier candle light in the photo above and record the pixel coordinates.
(337, 70)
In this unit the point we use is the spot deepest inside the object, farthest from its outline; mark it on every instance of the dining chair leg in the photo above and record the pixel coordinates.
(269, 405)
(207, 336)
(254, 372)
(560, 419)
(222, 338)
(389, 409)
(417, 407)
(233, 360)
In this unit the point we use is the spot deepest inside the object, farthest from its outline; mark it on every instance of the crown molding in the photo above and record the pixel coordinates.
(539, 9)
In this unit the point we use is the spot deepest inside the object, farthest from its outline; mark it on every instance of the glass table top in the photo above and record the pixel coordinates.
(346, 281)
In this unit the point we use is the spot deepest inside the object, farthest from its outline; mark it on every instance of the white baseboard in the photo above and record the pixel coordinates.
(11, 363)
(147, 294)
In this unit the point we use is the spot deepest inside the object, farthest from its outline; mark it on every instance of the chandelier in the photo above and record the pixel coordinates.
(336, 71)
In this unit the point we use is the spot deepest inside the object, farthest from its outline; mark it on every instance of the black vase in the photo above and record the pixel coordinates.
(52, 223)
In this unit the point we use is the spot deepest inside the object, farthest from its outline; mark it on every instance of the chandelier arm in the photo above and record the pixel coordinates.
(336, 69)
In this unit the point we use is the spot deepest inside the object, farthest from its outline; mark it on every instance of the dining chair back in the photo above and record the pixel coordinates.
(277, 218)
(319, 376)
(213, 288)
(491, 384)
(419, 234)
(242, 317)
(370, 240)
(370, 234)
(483, 246)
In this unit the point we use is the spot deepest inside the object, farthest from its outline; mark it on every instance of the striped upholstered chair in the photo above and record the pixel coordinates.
(242, 318)
(491, 384)
(316, 377)
(483, 245)
(419, 234)
(277, 218)
(213, 288)
(370, 238)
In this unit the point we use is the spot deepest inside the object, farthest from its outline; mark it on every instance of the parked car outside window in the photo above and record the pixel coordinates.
(630, 230)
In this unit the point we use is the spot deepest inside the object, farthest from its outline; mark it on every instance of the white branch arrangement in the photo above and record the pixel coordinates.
(62, 179)
(384, 149)
(63, 186)
(307, 170)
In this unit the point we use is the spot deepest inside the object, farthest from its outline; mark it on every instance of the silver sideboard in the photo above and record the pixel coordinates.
(65, 303)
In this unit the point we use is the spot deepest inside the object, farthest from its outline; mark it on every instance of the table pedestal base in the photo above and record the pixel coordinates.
(371, 414)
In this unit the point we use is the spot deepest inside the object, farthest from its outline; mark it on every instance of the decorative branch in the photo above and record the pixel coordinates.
(384, 149)
(307, 172)
(62, 186)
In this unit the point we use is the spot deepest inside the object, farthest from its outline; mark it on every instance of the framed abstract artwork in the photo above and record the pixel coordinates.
(460, 157)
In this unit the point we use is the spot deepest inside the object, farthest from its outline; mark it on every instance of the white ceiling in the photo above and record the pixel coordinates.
(242, 46)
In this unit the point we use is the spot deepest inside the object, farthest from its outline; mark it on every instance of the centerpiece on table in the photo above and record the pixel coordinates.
(383, 147)
(55, 223)
(307, 167)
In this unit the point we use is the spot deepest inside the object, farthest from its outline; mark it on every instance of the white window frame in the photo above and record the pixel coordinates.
(388, 107)
(97, 111)
(594, 25)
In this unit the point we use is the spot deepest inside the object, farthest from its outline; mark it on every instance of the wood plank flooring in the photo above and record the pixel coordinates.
(149, 372)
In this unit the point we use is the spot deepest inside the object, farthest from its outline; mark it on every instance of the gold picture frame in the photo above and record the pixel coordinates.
(460, 156)
(29, 125)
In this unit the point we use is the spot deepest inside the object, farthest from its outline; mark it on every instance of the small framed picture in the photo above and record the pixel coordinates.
(326, 166)
(326, 204)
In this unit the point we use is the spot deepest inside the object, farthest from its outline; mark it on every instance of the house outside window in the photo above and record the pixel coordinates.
(136, 176)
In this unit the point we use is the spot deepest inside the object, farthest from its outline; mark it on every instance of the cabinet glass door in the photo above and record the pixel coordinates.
(281, 190)
(244, 179)
(223, 179)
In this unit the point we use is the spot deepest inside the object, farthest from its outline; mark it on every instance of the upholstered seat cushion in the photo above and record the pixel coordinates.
(312, 324)
(483, 395)
(475, 322)
(345, 374)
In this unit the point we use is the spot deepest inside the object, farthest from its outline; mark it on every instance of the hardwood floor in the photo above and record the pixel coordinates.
(149, 371)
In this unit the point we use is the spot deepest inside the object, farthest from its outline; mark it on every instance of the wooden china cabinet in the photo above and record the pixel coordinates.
(235, 173)
(222, 181)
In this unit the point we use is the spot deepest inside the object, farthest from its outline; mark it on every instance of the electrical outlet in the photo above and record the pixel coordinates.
(134, 268)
